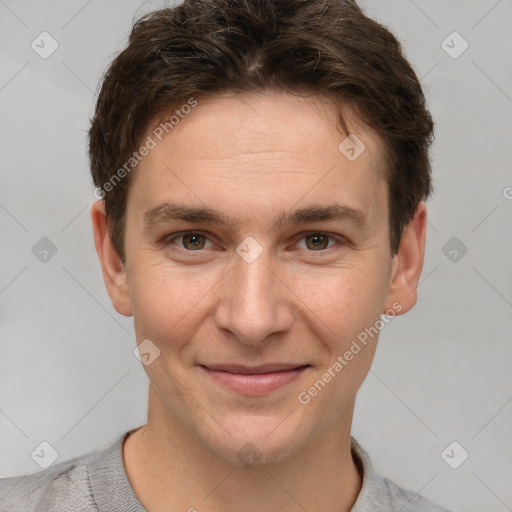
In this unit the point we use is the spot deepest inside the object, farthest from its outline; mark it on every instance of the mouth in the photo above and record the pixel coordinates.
(255, 380)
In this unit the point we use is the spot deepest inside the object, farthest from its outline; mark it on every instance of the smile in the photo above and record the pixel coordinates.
(255, 381)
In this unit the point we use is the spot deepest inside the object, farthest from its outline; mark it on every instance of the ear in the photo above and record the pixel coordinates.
(408, 263)
(114, 272)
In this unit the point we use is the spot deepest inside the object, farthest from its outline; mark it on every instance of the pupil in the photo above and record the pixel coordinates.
(195, 243)
(318, 239)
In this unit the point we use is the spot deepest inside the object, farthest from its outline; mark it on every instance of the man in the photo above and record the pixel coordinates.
(262, 168)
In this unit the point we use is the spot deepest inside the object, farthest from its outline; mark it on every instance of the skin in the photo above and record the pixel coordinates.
(252, 157)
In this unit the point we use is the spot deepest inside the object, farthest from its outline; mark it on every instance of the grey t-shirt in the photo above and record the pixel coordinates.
(97, 482)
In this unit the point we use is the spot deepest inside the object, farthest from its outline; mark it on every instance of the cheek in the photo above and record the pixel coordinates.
(342, 301)
(166, 301)
(343, 306)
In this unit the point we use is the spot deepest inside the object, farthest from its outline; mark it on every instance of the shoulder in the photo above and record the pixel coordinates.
(398, 498)
(62, 487)
(379, 493)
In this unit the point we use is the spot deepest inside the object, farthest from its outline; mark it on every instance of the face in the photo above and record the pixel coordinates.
(284, 267)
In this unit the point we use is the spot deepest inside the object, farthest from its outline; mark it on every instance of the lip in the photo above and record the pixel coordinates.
(256, 380)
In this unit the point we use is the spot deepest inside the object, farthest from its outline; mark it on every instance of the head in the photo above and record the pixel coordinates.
(263, 168)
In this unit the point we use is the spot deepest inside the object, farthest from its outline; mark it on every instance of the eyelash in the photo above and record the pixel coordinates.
(171, 238)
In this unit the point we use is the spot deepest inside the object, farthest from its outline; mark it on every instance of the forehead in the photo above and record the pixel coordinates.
(236, 150)
(267, 121)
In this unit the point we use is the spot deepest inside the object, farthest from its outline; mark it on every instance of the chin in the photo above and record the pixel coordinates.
(254, 440)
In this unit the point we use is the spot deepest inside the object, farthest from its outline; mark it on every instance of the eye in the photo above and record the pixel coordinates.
(191, 240)
(317, 241)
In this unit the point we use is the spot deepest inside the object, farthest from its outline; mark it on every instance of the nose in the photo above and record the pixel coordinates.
(254, 301)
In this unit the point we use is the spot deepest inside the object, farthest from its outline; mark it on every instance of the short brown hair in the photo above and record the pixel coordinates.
(321, 47)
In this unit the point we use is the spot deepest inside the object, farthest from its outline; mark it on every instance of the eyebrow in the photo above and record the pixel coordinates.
(168, 212)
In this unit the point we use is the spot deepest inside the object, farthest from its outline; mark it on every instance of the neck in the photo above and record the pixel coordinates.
(169, 469)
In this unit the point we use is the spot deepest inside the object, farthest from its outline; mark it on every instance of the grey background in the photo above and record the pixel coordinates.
(442, 372)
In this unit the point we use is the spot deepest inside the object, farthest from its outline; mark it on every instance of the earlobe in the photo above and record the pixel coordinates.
(408, 263)
(113, 269)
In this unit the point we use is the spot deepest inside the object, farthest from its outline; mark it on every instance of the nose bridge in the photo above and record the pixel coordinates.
(255, 282)
(253, 302)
